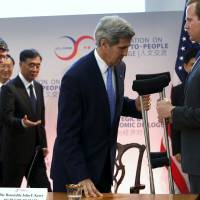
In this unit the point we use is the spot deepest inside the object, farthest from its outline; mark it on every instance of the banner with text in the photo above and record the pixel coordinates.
(63, 39)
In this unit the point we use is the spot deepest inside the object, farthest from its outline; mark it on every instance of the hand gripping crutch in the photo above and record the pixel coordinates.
(149, 84)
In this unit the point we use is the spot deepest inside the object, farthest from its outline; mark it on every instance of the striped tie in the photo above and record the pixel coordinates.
(32, 98)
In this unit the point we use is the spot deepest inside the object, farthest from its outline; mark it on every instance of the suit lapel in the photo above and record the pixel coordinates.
(192, 73)
(38, 95)
(119, 78)
(23, 94)
(22, 91)
(98, 83)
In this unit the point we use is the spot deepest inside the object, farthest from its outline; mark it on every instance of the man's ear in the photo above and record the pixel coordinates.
(187, 69)
(104, 43)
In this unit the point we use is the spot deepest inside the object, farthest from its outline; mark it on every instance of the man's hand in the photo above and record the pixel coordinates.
(146, 102)
(164, 108)
(29, 123)
(178, 157)
(45, 151)
(90, 189)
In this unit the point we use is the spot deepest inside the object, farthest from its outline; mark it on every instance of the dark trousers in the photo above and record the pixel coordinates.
(13, 174)
(59, 185)
(194, 183)
(105, 182)
(103, 185)
(1, 175)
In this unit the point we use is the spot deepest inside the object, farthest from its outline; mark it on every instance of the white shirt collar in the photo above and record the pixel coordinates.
(1, 84)
(103, 68)
(101, 63)
(25, 82)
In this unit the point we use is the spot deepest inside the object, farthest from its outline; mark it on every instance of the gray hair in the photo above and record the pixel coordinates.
(113, 28)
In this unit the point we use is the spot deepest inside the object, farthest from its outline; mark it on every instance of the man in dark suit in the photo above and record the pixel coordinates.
(90, 104)
(187, 118)
(23, 113)
(4, 76)
(177, 99)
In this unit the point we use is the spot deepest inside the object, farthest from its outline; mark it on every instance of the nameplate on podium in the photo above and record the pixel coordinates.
(23, 193)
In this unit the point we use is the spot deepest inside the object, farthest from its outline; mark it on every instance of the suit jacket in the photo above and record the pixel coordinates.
(187, 120)
(1, 125)
(19, 143)
(1, 122)
(177, 99)
(85, 135)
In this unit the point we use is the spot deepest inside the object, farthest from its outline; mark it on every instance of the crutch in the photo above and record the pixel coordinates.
(160, 159)
(149, 84)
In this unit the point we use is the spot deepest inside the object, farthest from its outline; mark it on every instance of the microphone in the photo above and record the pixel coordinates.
(37, 150)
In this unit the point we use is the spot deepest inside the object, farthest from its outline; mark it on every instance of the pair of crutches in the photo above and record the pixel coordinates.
(149, 84)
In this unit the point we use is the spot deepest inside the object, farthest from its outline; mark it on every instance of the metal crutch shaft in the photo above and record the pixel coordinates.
(147, 142)
(171, 183)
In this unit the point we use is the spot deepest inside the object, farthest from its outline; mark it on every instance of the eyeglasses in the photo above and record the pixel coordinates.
(3, 58)
(4, 66)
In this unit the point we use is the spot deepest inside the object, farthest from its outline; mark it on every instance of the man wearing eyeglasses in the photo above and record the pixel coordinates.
(3, 79)
(3, 50)
(6, 70)
(24, 145)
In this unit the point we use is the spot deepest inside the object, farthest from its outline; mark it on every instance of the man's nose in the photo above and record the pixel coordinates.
(35, 68)
(186, 26)
(6, 68)
(125, 52)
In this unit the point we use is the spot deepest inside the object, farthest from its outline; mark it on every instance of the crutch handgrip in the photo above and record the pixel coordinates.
(155, 155)
(159, 162)
(159, 159)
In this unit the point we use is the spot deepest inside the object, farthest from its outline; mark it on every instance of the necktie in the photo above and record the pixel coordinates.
(32, 98)
(111, 93)
(197, 55)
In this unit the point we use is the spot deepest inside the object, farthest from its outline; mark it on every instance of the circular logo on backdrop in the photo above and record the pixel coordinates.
(69, 47)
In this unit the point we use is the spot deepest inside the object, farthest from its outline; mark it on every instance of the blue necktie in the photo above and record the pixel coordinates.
(111, 93)
(32, 98)
(197, 55)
